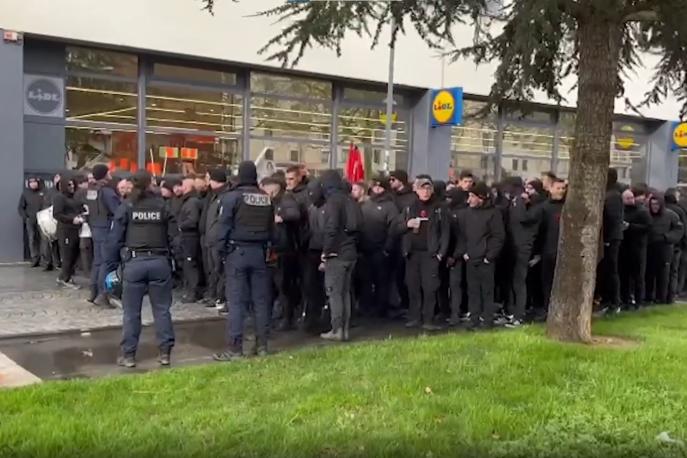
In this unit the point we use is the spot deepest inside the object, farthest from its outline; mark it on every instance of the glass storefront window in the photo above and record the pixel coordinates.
(193, 74)
(101, 61)
(191, 109)
(370, 96)
(276, 117)
(87, 146)
(180, 153)
(281, 154)
(365, 127)
(525, 142)
(291, 86)
(473, 143)
(100, 100)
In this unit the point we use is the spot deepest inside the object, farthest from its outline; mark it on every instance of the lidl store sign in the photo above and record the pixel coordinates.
(447, 107)
(680, 135)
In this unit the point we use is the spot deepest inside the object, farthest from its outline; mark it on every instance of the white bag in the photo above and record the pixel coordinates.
(85, 231)
(47, 224)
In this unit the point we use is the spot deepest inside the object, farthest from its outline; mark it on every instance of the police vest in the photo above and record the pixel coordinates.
(253, 218)
(147, 225)
(98, 214)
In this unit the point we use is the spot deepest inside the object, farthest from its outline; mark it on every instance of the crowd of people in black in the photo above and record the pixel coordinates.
(432, 252)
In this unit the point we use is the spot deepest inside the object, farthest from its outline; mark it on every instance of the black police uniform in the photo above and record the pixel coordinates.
(143, 227)
(247, 225)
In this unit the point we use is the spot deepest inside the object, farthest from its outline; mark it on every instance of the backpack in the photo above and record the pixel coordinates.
(353, 216)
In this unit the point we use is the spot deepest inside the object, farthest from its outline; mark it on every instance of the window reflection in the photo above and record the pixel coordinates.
(101, 61)
(473, 143)
(99, 100)
(201, 75)
(281, 154)
(287, 85)
(191, 109)
(86, 147)
(179, 153)
(276, 117)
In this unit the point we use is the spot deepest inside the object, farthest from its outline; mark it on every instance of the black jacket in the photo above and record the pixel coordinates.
(639, 221)
(381, 220)
(286, 233)
(438, 231)
(189, 215)
(204, 201)
(613, 215)
(549, 226)
(672, 204)
(211, 214)
(666, 227)
(404, 198)
(65, 209)
(315, 227)
(335, 238)
(522, 224)
(30, 203)
(481, 233)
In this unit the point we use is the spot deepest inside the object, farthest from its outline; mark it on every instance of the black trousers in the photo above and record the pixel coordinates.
(674, 274)
(86, 257)
(374, 272)
(457, 287)
(190, 247)
(216, 286)
(422, 277)
(609, 280)
(286, 285)
(315, 296)
(480, 276)
(398, 277)
(548, 266)
(632, 270)
(68, 239)
(517, 283)
(33, 236)
(659, 256)
(51, 252)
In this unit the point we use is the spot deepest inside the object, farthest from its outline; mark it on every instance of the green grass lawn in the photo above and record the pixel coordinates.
(506, 393)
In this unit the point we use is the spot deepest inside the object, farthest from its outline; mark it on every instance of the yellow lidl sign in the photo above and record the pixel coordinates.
(447, 107)
(680, 135)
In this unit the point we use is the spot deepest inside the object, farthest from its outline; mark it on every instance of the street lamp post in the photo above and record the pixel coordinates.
(389, 99)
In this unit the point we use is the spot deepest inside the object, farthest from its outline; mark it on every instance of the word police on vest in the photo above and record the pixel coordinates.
(146, 216)
(257, 200)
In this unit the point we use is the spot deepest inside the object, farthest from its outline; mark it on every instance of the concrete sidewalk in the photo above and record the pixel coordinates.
(32, 303)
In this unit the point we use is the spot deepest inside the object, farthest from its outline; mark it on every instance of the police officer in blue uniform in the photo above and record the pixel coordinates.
(144, 226)
(246, 233)
(102, 202)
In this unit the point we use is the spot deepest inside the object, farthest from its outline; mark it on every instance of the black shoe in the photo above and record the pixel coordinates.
(514, 324)
(164, 359)
(36, 264)
(126, 361)
(48, 268)
(412, 324)
(103, 301)
(228, 356)
(465, 317)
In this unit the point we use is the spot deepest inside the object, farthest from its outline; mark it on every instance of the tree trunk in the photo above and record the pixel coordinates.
(570, 309)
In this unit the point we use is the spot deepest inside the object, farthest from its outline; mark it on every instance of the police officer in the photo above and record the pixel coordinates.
(142, 225)
(246, 232)
(102, 202)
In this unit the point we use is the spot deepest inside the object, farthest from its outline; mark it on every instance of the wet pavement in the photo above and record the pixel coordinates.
(31, 303)
(93, 354)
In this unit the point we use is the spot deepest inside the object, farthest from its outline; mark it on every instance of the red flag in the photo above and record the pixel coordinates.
(355, 168)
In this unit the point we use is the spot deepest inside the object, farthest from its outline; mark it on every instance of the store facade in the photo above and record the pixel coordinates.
(72, 105)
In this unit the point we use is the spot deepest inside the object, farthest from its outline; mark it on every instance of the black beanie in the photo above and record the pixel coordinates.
(400, 175)
(382, 181)
(100, 171)
(169, 183)
(218, 175)
(248, 174)
(481, 190)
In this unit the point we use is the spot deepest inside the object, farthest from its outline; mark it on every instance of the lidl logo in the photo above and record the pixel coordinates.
(680, 135)
(447, 107)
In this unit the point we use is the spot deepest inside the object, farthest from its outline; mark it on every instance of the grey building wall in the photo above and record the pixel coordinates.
(662, 163)
(431, 146)
(11, 149)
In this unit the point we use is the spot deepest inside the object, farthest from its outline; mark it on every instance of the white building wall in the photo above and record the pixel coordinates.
(179, 26)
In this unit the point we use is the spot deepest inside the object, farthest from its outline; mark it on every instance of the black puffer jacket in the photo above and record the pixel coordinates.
(639, 222)
(666, 227)
(550, 226)
(189, 215)
(522, 224)
(482, 235)
(404, 198)
(212, 215)
(613, 215)
(672, 204)
(381, 221)
(31, 202)
(336, 241)
(286, 232)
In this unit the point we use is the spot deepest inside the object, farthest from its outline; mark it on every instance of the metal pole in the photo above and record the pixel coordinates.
(389, 99)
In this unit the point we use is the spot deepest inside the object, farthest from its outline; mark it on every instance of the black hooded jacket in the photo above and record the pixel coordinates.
(189, 215)
(639, 221)
(404, 198)
(613, 215)
(666, 227)
(522, 224)
(457, 203)
(286, 233)
(381, 220)
(31, 202)
(335, 239)
(212, 214)
(481, 234)
(549, 226)
(672, 204)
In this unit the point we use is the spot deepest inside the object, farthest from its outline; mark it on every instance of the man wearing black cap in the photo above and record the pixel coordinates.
(378, 237)
(102, 202)
(30, 203)
(245, 233)
(218, 189)
(425, 245)
(480, 242)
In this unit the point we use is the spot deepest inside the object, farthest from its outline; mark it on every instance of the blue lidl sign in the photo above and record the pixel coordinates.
(447, 107)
